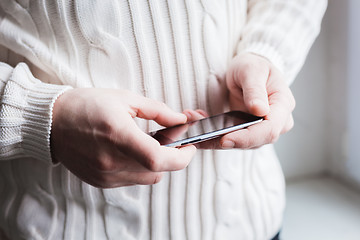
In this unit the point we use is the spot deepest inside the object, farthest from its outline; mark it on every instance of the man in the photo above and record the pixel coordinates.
(76, 164)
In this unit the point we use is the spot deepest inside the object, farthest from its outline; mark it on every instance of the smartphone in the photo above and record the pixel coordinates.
(204, 129)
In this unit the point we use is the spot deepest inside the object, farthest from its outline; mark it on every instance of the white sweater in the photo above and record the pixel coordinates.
(175, 51)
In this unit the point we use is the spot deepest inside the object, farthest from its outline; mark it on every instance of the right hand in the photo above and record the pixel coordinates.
(95, 137)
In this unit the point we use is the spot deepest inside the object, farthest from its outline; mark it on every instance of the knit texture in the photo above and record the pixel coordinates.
(173, 51)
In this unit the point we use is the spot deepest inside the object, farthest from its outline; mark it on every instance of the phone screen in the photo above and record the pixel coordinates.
(204, 129)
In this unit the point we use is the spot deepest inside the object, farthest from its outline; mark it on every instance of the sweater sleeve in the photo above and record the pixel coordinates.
(282, 31)
(25, 113)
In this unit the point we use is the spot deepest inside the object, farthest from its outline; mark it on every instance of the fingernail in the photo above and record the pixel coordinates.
(228, 144)
(187, 114)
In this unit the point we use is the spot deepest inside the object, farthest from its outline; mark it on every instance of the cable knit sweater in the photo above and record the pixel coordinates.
(175, 51)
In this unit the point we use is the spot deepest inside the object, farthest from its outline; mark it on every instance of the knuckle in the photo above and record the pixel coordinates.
(149, 179)
(153, 164)
(105, 164)
(242, 143)
(157, 178)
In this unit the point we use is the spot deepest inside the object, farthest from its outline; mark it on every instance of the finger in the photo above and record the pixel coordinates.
(125, 178)
(268, 131)
(170, 159)
(202, 112)
(174, 159)
(154, 110)
(254, 91)
(251, 75)
(246, 138)
(194, 115)
(148, 152)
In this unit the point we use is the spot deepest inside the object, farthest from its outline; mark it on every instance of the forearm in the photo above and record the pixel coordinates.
(282, 31)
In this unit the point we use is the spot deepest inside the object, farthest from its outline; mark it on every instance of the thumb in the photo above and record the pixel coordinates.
(256, 99)
(252, 78)
(151, 109)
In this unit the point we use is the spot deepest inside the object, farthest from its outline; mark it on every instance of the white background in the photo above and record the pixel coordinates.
(321, 155)
(326, 136)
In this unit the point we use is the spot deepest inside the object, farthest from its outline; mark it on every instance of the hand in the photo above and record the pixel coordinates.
(95, 137)
(257, 87)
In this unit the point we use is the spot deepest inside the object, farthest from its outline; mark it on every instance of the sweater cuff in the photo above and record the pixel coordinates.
(38, 120)
(265, 50)
(37, 117)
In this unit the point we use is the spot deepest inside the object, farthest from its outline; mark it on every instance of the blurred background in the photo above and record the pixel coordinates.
(321, 155)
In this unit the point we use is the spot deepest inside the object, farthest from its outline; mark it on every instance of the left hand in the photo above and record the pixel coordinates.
(256, 86)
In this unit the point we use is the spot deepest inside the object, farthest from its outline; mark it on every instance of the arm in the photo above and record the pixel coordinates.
(273, 47)
(282, 31)
(25, 102)
(91, 131)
